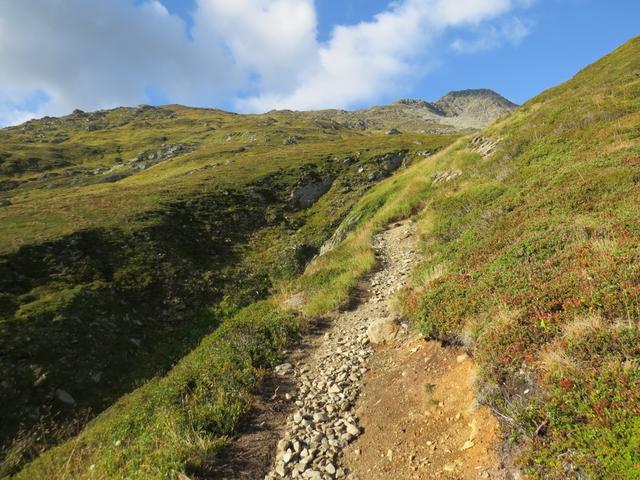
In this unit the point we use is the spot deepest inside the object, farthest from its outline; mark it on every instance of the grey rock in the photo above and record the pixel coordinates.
(291, 141)
(287, 457)
(65, 397)
(281, 470)
(320, 417)
(284, 369)
(353, 430)
(304, 196)
(312, 475)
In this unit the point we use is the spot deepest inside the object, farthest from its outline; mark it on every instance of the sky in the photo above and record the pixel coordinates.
(258, 55)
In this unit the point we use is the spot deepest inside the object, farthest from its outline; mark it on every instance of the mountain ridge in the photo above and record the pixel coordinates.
(457, 111)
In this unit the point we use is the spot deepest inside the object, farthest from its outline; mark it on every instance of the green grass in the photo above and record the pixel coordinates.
(167, 444)
(178, 422)
(107, 285)
(528, 243)
(164, 436)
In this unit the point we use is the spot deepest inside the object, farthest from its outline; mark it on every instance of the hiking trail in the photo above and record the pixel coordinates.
(377, 402)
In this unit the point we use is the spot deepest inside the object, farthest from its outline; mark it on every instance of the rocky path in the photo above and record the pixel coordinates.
(329, 383)
(373, 402)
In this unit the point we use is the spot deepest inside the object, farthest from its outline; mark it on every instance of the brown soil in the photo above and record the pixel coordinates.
(421, 419)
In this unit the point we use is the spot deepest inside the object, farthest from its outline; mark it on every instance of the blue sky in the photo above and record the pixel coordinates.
(566, 35)
(254, 55)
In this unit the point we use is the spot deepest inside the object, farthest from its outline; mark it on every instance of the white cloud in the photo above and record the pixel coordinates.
(256, 54)
(512, 31)
(275, 39)
(102, 53)
(362, 62)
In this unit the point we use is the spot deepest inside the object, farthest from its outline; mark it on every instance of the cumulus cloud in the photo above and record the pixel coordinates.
(102, 53)
(251, 54)
(363, 61)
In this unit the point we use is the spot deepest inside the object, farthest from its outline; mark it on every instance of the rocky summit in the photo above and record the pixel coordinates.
(457, 111)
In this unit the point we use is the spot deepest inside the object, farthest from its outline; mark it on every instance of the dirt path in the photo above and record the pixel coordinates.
(362, 410)
(420, 418)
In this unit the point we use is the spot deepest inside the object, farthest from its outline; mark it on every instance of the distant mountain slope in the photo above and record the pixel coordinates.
(459, 111)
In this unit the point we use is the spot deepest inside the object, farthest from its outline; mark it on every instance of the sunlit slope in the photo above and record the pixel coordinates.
(532, 260)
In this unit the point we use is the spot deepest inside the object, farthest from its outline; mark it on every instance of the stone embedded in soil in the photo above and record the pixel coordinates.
(384, 330)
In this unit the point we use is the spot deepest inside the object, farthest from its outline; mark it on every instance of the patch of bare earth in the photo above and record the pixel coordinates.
(420, 418)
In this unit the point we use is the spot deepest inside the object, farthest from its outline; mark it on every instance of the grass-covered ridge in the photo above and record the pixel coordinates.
(127, 236)
(532, 260)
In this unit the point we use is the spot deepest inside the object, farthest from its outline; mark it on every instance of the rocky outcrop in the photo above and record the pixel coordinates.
(445, 176)
(484, 146)
(149, 158)
(304, 196)
(456, 111)
(477, 108)
(341, 233)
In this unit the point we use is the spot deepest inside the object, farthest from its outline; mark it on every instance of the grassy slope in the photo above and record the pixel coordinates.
(177, 423)
(532, 259)
(104, 285)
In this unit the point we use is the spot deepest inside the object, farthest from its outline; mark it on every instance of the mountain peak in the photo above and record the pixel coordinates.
(471, 108)
(482, 105)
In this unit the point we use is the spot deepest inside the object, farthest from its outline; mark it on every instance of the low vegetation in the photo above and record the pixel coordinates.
(530, 260)
(116, 265)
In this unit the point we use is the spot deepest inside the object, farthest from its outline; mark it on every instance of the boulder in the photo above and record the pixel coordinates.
(383, 330)
(65, 397)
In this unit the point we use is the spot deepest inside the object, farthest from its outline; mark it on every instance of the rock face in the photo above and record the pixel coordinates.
(456, 111)
(306, 195)
(341, 233)
(478, 107)
(484, 146)
(149, 158)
